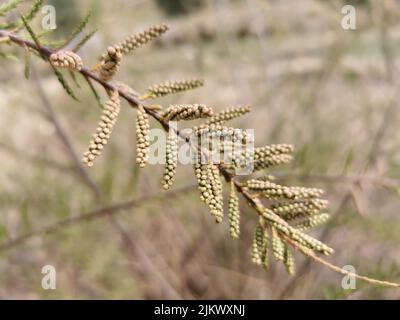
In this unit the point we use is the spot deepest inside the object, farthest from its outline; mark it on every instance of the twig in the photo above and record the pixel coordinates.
(340, 270)
(38, 160)
(93, 215)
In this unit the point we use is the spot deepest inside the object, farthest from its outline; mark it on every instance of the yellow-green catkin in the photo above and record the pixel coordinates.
(272, 155)
(171, 160)
(210, 187)
(288, 261)
(234, 213)
(267, 177)
(187, 112)
(278, 246)
(66, 59)
(257, 246)
(299, 209)
(275, 191)
(142, 137)
(216, 188)
(110, 63)
(222, 133)
(107, 121)
(265, 252)
(169, 87)
(228, 114)
(312, 222)
(137, 40)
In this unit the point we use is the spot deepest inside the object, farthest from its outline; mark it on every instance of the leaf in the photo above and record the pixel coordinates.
(27, 58)
(30, 31)
(72, 74)
(78, 29)
(45, 33)
(34, 10)
(85, 39)
(7, 7)
(29, 16)
(93, 89)
(8, 56)
(8, 26)
(64, 83)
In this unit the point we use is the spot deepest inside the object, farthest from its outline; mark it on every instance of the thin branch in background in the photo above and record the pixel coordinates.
(35, 159)
(94, 215)
(62, 135)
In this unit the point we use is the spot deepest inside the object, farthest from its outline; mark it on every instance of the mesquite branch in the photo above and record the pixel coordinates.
(133, 102)
(278, 225)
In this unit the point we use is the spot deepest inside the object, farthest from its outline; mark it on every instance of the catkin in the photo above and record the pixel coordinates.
(142, 136)
(257, 246)
(272, 155)
(278, 246)
(312, 222)
(265, 253)
(234, 213)
(228, 114)
(186, 112)
(210, 187)
(275, 191)
(110, 63)
(225, 142)
(171, 160)
(216, 188)
(299, 209)
(224, 134)
(137, 40)
(288, 261)
(169, 87)
(103, 131)
(66, 59)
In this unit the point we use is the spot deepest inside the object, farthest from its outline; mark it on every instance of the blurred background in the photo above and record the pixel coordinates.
(331, 92)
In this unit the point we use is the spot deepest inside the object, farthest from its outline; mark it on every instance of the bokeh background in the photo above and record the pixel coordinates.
(332, 93)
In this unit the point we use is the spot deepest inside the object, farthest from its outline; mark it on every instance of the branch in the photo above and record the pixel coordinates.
(93, 215)
(135, 102)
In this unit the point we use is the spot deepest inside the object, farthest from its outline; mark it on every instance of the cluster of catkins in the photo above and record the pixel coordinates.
(66, 59)
(287, 211)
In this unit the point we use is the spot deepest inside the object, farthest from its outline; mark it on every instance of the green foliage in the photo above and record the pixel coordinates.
(30, 31)
(95, 93)
(34, 10)
(85, 39)
(78, 29)
(8, 56)
(8, 6)
(64, 84)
